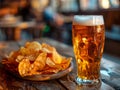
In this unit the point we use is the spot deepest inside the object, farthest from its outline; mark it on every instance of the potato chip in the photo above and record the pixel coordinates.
(46, 50)
(33, 45)
(23, 67)
(65, 63)
(49, 62)
(24, 51)
(40, 62)
(48, 47)
(32, 57)
(19, 58)
(56, 57)
(35, 58)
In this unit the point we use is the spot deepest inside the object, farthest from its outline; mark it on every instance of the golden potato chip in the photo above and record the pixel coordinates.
(47, 47)
(65, 63)
(35, 58)
(56, 57)
(19, 58)
(32, 57)
(23, 67)
(66, 60)
(46, 50)
(49, 62)
(24, 51)
(33, 45)
(40, 62)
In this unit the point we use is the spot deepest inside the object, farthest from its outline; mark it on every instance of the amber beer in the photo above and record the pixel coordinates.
(88, 37)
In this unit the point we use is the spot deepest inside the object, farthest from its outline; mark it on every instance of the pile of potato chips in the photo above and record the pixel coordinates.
(35, 58)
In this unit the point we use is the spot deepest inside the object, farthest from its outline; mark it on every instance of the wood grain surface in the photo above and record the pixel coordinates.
(9, 82)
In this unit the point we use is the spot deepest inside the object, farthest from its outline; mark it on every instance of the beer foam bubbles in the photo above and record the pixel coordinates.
(88, 20)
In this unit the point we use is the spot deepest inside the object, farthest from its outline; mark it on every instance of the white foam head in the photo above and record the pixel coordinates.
(88, 20)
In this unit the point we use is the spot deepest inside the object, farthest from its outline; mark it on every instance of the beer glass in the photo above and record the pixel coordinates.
(88, 35)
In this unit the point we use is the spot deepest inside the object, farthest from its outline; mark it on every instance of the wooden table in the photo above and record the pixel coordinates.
(16, 28)
(109, 71)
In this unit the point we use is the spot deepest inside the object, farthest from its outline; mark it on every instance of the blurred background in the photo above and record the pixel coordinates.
(31, 19)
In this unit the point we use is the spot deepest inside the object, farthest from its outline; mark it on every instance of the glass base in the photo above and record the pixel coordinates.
(80, 81)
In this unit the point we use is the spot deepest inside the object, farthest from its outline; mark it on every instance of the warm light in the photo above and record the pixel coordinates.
(39, 5)
(84, 4)
(114, 3)
(84, 39)
(105, 4)
(98, 29)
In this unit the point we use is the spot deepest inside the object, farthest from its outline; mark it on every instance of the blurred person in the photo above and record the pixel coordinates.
(28, 13)
(39, 5)
(51, 14)
(55, 21)
(43, 11)
(37, 9)
(24, 10)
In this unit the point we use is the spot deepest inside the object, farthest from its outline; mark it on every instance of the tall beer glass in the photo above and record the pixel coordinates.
(88, 35)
